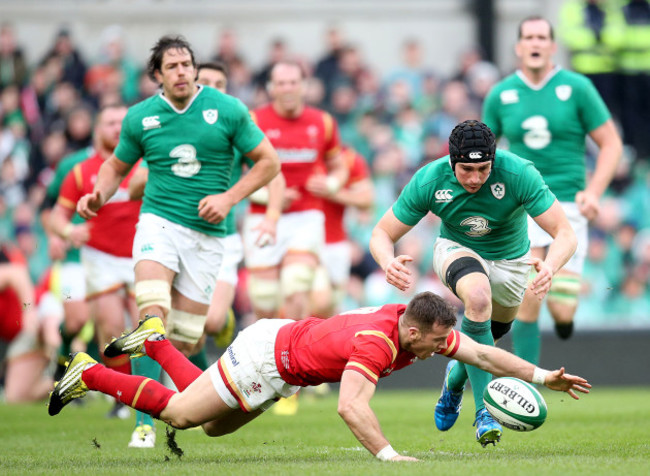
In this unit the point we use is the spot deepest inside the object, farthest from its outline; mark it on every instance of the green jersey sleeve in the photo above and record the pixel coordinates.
(247, 135)
(535, 195)
(129, 149)
(413, 203)
(593, 111)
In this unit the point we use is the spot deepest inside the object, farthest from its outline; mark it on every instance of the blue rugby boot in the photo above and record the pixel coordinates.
(487, 429)
(449, 403)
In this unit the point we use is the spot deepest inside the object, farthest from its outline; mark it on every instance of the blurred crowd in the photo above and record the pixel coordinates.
(398, 121)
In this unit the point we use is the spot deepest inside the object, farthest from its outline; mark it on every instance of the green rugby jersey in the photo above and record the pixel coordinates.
(190, 153)
(66, 165)
(547, 124)
(492, 221)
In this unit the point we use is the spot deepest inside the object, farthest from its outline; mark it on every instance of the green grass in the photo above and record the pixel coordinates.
(606, 432)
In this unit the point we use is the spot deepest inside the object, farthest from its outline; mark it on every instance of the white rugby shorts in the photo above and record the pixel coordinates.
(246, 376)
(194, 256)
(297, 231)
(508, 278)
(106, 272)
(540, 239)
(233, 254)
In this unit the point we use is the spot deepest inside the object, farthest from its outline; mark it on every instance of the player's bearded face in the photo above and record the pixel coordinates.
(177, 73)
(535, 47)
(109, 127)
(287, 87)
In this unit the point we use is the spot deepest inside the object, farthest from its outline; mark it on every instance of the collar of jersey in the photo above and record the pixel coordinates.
(537, 87)
(182, 111)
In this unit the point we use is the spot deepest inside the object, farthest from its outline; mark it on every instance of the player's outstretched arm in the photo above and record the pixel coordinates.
(354, 407)
(504, 364)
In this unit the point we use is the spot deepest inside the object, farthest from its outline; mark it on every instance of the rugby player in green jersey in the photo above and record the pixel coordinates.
(482, 196)
(187, 135)
(545, 113)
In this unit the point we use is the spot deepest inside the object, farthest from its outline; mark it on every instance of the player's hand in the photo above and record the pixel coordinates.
(215, 208)
(398, 274)
(88, 205)
(79, 235)
(588, 204)
(317, 185)
(563, 382)
(542, 282)
(267, 230)
(403, 458)
(57, 247)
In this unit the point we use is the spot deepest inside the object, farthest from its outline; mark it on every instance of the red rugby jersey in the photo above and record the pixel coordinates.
(358, 170)
(313, 351)
(11, 308)
(113, 229)
(304, 144)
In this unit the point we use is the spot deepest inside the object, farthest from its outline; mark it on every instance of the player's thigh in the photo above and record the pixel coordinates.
(229, 422)
(509, 281)
(197, 404)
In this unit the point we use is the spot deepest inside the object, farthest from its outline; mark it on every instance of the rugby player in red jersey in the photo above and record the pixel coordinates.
(274, 358)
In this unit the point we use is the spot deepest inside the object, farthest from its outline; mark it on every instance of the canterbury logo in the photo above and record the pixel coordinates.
(150, 122)
(443, 196)
(475, 155)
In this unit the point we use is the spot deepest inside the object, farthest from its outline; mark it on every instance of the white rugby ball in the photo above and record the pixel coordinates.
(515, 404)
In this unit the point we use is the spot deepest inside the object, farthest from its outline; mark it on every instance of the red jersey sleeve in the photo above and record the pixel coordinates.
(71, 188)
(373, 352)
(453, 341)
(332, 141)
(358, 168)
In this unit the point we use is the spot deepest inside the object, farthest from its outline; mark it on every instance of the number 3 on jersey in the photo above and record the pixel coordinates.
(538, 135)
(478, 226)
(187, 165)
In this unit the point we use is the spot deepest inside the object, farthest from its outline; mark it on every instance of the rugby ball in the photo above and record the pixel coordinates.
(515, 404)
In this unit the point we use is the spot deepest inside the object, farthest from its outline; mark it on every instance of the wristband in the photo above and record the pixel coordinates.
(387, 453)
(333, 184)
(67, 230)
(539, 375)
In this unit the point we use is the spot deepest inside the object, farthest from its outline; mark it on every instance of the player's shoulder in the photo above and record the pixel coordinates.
(509, 163)
(145, 106)
(314, 114)
(435, 171)
(71, 160)
(572, 77)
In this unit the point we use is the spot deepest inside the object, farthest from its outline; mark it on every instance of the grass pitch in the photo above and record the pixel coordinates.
(606, 432)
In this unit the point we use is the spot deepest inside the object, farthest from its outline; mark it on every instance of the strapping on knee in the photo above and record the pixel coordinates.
(185, 326)
(564, 290)
(296, 278)
(264, 293)
(462, 267)
(153, 292)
